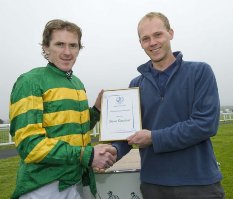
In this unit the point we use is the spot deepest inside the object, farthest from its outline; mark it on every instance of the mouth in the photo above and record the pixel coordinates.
(155, 49)
(66, 59)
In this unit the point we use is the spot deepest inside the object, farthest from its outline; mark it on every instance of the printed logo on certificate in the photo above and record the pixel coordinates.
(120, 114)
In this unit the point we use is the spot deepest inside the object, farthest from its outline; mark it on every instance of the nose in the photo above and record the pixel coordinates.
(67, 50)
(153, 41)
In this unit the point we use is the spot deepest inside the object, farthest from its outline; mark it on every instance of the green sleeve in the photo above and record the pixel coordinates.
(94, 116)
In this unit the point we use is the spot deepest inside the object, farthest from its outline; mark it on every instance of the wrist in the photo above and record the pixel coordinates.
(96, 109)
(91, 158)
(86, 155)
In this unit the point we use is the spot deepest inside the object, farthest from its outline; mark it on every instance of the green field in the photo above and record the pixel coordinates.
(224, 152)
(222, 146)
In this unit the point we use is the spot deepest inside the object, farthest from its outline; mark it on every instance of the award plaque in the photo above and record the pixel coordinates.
(120, 114)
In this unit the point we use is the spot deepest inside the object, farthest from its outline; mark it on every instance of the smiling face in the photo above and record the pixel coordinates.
(155, 40)
(63, 49)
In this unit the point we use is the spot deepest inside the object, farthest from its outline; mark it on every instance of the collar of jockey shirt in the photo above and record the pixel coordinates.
(68, 74)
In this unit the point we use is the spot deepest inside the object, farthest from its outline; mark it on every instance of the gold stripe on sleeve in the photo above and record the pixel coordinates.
(29, 130)
(41, 150)
(24, 105)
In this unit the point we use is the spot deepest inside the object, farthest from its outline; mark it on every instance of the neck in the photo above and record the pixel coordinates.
(164, 64)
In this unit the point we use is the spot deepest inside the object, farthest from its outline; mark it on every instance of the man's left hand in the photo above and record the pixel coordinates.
(141, 138)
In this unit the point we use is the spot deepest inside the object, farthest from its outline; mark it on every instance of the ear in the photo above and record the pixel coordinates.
(171, 33)
(140, 43)
(46, 49)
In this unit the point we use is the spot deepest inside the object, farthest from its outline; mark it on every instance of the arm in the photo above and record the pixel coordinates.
(122, 148)
(95, 110)
(200, 126)
(202, 123)
(33, 145)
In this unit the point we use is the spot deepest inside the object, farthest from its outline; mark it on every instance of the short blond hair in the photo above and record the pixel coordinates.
(159, 15)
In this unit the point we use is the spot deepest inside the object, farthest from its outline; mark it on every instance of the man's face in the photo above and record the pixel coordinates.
(155, 39)
(63, 49)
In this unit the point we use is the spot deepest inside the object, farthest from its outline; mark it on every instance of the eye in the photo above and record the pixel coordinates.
(74, 46)
(60, 44)
(157, 34)
(145, 39)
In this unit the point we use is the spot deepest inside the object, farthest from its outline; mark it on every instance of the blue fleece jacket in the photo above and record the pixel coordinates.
(182, 122)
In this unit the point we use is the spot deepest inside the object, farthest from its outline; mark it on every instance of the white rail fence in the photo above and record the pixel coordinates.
(224, 117)
(6, 139)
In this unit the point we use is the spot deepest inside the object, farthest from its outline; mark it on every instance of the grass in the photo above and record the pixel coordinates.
(6, 147)
(223, 149)
(8, 169)
(222, 144)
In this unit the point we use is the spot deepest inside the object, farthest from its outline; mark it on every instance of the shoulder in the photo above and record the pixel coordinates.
(199, 72)
(77, 81)
(29, 78)
(136, 81)
(32, 74)
(197, 67)
(144, 68)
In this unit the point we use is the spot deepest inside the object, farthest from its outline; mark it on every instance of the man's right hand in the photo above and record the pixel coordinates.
(104, 157)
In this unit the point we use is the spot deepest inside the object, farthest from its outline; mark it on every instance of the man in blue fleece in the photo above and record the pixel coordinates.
(180, 113)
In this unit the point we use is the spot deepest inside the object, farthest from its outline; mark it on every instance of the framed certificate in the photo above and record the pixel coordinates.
(120, 114)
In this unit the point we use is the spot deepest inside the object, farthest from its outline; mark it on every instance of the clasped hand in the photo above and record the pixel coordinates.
(104, 157)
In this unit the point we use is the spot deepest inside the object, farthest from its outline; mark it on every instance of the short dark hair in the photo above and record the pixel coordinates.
(58, 24)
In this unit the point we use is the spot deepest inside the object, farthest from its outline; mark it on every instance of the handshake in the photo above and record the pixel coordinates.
(105, 156)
